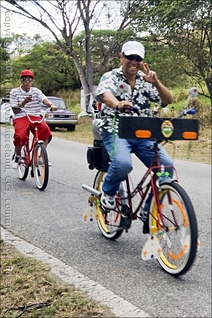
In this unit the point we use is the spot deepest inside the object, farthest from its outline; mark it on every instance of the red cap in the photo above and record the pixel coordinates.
(26, 73)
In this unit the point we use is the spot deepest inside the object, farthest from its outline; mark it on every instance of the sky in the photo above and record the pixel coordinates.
(14, 23)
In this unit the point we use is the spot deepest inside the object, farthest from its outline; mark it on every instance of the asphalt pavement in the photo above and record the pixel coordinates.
(52, 222)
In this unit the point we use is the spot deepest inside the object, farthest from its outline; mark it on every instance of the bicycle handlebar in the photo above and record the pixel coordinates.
(43, 115)
(184, 112)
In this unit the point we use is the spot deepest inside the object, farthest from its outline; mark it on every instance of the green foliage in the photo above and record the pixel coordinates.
(105, 47)
(185, 28)
(4, 44)
(5, 69)
(176, 35)
(52, 68)
(23, 43)
(71, 98)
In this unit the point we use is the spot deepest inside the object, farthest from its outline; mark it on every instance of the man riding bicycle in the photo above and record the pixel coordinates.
(120, 89)
(30, 98)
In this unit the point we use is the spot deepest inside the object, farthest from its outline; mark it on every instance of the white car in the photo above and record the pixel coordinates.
(6, 114)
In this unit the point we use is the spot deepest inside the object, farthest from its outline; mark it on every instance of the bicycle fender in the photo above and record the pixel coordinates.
(40, 142)
(167, 180)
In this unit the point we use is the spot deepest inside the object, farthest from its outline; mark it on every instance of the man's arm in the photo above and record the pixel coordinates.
(164, 93)
(151, 77)
(111, 101)
(49, 104)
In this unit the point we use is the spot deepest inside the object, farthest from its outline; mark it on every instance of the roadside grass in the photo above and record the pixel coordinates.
(27, 282)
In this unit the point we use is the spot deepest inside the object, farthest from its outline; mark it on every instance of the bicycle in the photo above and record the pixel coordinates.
(171, 224)
(34, 155)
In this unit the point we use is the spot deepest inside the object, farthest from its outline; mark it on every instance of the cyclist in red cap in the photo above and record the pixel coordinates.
(30, 98)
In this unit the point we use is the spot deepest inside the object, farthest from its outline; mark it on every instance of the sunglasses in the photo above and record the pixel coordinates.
(27, 80)
(133, 57)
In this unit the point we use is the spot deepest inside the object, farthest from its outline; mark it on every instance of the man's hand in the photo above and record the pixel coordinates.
(151, 76)
(27, 99)
(123, 105)
(53, 108)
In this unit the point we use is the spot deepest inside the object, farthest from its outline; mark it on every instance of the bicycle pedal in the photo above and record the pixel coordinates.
(126, 217)
(38, 172)
(32, 173)
(145, 224)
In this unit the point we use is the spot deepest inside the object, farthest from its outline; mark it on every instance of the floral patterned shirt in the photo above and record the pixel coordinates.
(115, 82)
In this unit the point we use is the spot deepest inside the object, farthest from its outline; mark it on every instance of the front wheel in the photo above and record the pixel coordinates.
(109, 223)
(23, 167)
(175, 227)
(71, 128)
(40, 166)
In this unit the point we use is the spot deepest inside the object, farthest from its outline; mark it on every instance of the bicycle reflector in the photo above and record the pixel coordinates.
(143, 133)
(190, 135)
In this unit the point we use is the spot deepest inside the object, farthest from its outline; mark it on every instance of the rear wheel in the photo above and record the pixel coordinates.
(176, 229)
(40, 166)
(23, 167)
(109, 223)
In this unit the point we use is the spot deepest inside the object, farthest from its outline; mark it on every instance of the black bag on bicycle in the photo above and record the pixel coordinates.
(97, 156)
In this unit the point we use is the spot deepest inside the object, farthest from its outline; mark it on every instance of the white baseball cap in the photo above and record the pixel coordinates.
(133, 47)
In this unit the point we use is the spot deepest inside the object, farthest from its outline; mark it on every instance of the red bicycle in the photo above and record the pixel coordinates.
(34, 155)
(171, 225)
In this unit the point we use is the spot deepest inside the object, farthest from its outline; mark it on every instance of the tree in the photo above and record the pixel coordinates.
(64, 19)
(185, 28)
(105, 55)
(5, 66)
(52, 67)
(22, 43)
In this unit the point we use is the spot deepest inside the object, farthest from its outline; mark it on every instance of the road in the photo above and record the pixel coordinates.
(53, 221)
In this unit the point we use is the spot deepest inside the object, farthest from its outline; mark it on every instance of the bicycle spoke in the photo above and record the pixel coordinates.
(40, 166)
(108, 223)
(176, 229)
(23, 167)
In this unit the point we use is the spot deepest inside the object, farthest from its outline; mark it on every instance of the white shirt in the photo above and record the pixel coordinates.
(18, 95)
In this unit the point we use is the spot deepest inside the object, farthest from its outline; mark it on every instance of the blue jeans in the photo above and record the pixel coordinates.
(120, 150)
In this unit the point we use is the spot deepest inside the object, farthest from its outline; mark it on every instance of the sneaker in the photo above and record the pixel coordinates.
(15, 160)
(109, 202)
(142, 215)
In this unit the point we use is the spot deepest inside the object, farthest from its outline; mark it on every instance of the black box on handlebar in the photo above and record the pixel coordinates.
(97, 156)
(156, 128)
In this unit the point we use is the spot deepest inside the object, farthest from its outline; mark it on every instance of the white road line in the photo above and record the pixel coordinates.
(120, 307)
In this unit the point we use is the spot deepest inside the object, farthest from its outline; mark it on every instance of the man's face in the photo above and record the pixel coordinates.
(26, 83)
(131, 63)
